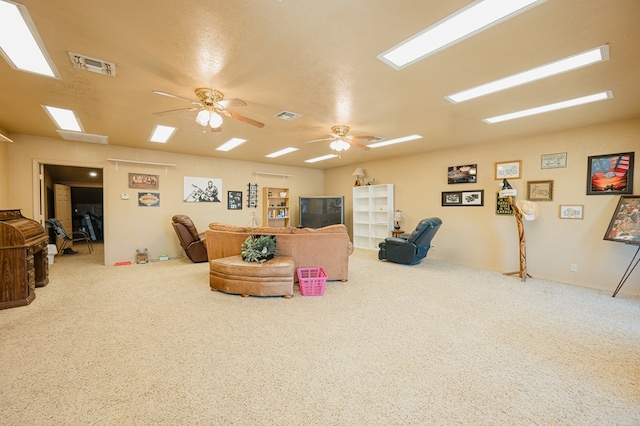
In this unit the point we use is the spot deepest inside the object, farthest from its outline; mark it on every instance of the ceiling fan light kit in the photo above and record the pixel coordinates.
(210, 105)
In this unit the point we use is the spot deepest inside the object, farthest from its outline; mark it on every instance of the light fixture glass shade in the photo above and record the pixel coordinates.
(339, 145)
(358, 173)
(203, 117)
(215, 121)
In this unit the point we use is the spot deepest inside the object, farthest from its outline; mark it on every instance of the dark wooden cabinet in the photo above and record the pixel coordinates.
(23, 259)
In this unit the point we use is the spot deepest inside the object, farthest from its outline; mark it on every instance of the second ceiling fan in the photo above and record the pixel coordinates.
(210, 105)
(341, 140)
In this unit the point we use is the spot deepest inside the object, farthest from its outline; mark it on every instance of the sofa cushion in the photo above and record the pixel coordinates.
(226, 228)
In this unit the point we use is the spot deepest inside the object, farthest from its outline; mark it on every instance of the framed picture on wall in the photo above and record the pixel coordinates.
(509, 170)
(540, 190)
(201, 190)
(553, 161)
(574, 211)
(462, 174)
(139, 180)
(610, 174)
(463, 198)
(234, 200)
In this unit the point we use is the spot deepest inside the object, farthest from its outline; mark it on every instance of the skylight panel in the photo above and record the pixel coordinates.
(551, 107)
(468, 21)
(162, 134)
(20, 43)
(65, 119)
(570, 63)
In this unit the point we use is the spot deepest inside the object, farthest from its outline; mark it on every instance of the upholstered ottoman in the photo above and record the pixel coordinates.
(271, 278)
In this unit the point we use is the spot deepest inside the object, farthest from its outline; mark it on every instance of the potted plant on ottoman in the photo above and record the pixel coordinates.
(258, 248)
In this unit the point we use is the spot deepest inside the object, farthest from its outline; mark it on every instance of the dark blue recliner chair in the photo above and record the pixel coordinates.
(410, 249)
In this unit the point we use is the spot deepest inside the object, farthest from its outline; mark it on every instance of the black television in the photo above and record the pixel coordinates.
(316, 212)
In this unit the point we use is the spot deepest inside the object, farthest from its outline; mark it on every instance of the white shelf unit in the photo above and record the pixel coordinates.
(372, 215)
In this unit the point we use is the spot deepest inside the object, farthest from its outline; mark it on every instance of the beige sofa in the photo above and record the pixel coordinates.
(328, 247)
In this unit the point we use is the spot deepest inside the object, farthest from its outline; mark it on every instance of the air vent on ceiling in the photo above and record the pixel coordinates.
(93, 64)
(287, 115)
(83, 137)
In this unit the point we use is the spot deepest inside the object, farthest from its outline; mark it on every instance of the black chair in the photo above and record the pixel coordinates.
(410, 249)
(61, 233)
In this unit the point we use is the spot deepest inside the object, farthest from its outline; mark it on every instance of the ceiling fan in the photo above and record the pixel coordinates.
(210, 105)
(341, 140)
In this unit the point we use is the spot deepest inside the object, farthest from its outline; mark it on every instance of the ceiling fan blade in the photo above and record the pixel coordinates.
(357, 144)
(176, 110)
(320, 140)
(158, 92)
(364, 138)
(242, 118)
(233, 102)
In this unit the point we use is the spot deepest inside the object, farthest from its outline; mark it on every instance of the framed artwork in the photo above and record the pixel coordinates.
(202, 190)
(463, 174)
(463, 198)
(234, 200)
(573, 211)
(610, 174)
(540, 190)
(553, 161)
(625, 223)
(139, 180)
(509, 170)
(148, 199)
(252, 195)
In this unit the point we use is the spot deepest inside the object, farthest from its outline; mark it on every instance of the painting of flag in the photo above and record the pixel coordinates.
(610, 174)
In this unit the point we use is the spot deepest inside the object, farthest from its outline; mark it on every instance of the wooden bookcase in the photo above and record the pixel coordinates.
(276, 210)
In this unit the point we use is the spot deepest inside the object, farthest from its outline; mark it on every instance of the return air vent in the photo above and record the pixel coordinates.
(83, 137)
(287, 115)
(92, 64)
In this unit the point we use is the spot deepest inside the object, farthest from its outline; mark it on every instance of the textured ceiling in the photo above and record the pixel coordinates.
(317, 59)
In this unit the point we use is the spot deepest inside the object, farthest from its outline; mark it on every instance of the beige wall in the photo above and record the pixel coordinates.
(477, 236)
(127, 226)
(470, 235)
(4, 175)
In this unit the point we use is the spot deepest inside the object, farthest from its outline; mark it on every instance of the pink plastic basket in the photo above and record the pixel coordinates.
(312, 281)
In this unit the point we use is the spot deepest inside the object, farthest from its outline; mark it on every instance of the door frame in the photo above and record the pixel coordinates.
(38, 189)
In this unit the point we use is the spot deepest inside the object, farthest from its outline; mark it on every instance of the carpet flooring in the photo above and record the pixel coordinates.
(431, 344)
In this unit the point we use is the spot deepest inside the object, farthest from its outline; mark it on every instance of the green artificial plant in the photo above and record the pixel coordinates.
(258, 248)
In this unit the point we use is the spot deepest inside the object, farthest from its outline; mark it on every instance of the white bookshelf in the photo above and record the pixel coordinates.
(372, 215)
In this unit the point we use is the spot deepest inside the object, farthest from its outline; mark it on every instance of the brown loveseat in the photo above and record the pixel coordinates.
(328, 247)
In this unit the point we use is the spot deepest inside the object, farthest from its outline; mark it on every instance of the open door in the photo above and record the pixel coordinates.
(62, 206)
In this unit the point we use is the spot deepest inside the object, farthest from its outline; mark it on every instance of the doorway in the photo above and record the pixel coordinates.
(82, 201)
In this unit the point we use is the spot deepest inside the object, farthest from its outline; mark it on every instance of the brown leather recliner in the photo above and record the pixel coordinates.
(192, 242)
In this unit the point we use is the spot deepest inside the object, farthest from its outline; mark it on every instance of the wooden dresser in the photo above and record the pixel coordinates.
(23, 259)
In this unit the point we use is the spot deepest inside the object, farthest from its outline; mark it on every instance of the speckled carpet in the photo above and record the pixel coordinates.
(431, 344)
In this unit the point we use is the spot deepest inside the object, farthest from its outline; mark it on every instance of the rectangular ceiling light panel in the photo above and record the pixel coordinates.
(20, 43)
(281, 152)
(551, 107)
(394, 141)
(65, 119)
(324, 157)
(162, 134)
(470, 20)
(231, 144)
(570, 63)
